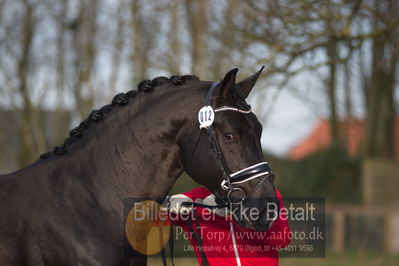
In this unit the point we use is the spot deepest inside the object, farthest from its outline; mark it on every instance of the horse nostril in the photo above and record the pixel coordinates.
(268, 215)
(263, 220)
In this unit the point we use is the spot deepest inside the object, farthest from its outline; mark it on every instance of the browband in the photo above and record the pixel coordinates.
(234, 109)
(206, 115)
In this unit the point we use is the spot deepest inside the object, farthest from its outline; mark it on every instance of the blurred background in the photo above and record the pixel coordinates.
(328, 100)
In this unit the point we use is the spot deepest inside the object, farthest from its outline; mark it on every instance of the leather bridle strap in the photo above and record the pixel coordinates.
(196, 230)
(212, 135)
(218, 152)
(208, 102)
(195, 148)
(210, 93)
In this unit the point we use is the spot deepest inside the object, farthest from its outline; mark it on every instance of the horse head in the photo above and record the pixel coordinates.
(223, 151)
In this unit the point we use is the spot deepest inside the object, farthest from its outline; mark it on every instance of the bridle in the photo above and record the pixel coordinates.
(206, 117)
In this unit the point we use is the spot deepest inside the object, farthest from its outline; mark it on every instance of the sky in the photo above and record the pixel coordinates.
(287, 124)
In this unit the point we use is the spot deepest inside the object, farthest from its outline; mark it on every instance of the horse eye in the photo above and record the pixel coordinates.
(229, 136)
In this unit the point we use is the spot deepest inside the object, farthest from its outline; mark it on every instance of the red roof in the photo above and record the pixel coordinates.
(352, 131)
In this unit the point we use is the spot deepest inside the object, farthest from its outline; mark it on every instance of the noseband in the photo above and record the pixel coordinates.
(206, 117)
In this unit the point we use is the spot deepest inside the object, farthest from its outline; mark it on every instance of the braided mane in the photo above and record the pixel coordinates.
(121, 99)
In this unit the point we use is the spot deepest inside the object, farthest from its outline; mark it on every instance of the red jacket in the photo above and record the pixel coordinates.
(226, 243)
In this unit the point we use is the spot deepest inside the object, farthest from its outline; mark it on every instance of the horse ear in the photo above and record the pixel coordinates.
(228, 83)
(247, 85)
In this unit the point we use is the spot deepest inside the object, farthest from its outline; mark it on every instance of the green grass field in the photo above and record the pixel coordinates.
(332, 259)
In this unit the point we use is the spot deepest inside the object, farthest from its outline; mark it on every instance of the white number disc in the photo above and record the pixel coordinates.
(206, 115)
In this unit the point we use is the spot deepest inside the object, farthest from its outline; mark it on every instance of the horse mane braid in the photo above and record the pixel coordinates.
(121, 99)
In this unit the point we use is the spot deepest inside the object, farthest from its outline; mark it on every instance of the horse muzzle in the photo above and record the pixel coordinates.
(242, 176)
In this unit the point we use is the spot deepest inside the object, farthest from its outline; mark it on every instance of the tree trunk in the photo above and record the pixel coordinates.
(139, 53)
(61, 73)
(347, 90)
(332, 55)
(222, 60)
(31, 133)
(84, 40)
(117, 49)
(196, 12)
(331, 90)
(380, 137)
(175, 46)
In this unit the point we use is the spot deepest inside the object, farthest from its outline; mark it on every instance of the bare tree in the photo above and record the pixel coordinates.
(322, 39)
(118, 44)
(31, 132)
(299, 41)
(380, 105)
(140, 48)
(225, 36)
(174, 39)
(83, 29)
(332, 58)
(197, 20)
(60, 17)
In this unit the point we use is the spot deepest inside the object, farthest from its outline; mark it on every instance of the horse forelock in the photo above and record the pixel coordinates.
(121, 99)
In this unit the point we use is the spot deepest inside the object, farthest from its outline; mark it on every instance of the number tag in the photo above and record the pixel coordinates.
(206, 115)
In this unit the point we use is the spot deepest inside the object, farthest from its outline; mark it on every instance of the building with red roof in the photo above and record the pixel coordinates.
(352, 131)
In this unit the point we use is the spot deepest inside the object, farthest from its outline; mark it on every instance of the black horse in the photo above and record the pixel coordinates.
(67, 208)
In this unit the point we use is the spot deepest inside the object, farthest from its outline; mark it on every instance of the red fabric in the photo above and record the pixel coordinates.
(218, 242)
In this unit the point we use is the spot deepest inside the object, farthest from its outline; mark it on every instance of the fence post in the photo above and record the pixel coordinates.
(339, 230)
(391, 232)
(380, 182)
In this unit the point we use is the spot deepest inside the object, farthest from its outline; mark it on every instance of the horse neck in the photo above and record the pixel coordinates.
(133, 152)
